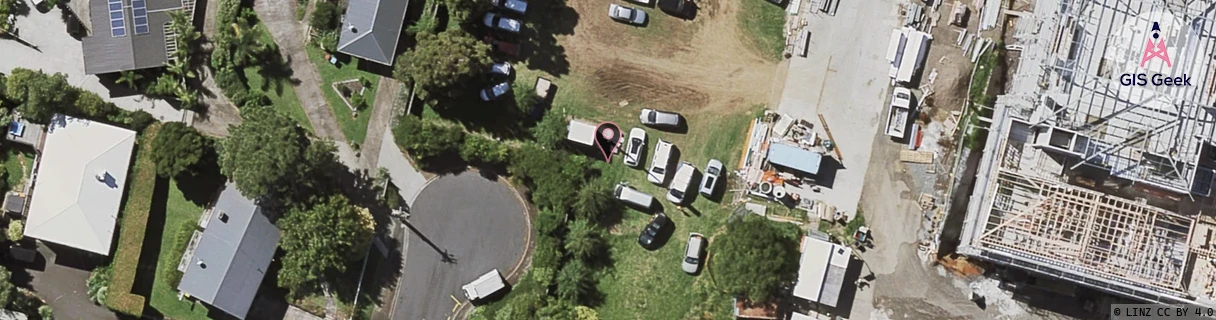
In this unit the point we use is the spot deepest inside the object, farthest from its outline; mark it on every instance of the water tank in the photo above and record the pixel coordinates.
(766, 187)
(779, 192)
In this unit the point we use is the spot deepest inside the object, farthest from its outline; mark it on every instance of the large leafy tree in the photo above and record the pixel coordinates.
(321, 239)
(753, 257)
(443, 63)
(176, 149)
(39, 95)
(584, 240)
(269, 155)
(574, 282)
(8, 292)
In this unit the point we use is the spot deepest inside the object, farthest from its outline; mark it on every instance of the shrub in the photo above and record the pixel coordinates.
(549, 221)
(176, 149)
(426, 139)
(46, 313)
(548, 253)
(358, 101)
(479, 149)
(181, 239)
(138, 120)
(15, 230)
(131, 232)
(98, 284)
(324, 16)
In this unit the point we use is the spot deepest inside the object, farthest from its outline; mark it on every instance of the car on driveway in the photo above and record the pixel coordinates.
(692, 253)
(495, 91)
(652, 230)
(497, 21)
(677, 193)
(656, 118)
(633, 150)
(501, 69)
(508, 48)
(709, 181)
(626, 14)
(518, 6)
(657, 173)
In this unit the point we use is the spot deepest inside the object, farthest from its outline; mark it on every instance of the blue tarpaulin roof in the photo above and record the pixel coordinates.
(794, 158)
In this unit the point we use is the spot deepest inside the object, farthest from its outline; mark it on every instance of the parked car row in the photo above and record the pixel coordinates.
(679, 8)
(694, 249)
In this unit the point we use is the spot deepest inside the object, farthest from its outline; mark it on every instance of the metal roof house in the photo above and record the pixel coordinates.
(129, 34)
(236, 246)
(821, 270)
(79, 182)
(372, 28)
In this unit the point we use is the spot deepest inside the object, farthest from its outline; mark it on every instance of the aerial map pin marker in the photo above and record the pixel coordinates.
(607, 138)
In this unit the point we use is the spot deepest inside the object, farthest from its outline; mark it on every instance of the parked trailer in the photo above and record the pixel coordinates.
(895, 50)
(581, 132)
(900, 115)
(916, 50)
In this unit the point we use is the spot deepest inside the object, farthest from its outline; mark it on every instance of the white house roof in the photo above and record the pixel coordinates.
(79, 183)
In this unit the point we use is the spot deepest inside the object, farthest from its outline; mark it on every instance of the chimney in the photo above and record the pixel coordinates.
(202, 265)
(223, 217)
(101, 175)
(352, 29)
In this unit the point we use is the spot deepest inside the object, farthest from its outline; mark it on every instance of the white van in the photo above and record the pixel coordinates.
(657, 173)
(632, 196)
(484, 286)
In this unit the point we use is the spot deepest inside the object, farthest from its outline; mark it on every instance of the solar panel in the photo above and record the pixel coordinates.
(139, 9)
(118, 27)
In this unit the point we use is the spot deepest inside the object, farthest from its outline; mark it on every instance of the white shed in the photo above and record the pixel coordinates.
(581, 132)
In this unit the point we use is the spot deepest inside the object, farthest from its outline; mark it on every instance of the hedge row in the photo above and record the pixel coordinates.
(134, 224)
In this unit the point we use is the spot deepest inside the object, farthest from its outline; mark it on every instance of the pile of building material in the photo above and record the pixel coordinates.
(916, 156)
(914, 15)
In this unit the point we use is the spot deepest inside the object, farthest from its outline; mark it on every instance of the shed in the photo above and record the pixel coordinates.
(821, 271)
(794, 158)
(14, 204)
(581, 132)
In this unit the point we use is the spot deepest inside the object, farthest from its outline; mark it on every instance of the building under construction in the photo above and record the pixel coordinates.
(1092, 179)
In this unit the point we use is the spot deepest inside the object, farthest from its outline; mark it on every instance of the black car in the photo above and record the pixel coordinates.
(652, 230)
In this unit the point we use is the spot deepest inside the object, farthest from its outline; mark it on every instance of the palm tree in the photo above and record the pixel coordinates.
(584, 239)
(574, 281)
(130, 78)
(181, 68)
(188, 98)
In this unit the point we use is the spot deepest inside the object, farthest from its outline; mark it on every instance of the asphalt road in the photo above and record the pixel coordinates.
(479, 223)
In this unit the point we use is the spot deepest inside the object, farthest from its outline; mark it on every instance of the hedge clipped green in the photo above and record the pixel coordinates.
(134, 224)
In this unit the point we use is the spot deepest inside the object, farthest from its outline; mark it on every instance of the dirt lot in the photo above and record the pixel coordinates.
(702, 66)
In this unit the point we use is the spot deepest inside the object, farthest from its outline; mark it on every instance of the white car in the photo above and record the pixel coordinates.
(633, 150)
(692, 253)
(499, 22)
(677, 193)
(495, 91)
(657, 173)
(655, 118)
(626, 14)
(713, 172)
(900, 115)
(513, 5)
(501, 69)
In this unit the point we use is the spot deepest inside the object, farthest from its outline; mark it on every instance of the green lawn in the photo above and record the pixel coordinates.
(178, 211)
(280, 91)
(763, 23)
(355, 129)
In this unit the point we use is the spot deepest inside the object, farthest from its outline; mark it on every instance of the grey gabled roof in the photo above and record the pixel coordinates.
(234, 255)
(104, 53)
(372, 28)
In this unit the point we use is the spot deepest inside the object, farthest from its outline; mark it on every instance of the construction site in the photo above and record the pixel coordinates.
(1090, 179)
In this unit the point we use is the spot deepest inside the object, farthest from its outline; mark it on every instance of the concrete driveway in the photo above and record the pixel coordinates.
(480, 224)
(50, 48)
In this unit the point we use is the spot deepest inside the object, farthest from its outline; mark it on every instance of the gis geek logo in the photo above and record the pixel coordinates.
(1154, 50)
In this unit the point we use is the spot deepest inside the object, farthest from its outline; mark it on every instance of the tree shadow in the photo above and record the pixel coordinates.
(541, 49)
(153, 234)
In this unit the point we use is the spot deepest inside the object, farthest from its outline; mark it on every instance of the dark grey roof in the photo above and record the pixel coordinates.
(104, 53)
(234, 254)
(372, 28)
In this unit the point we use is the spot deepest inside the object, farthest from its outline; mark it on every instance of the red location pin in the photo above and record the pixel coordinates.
(607, 138)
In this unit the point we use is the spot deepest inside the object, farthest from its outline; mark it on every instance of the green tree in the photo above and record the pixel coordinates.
(553, 175)
(443, 63)
(574, 282)
(176, 149)
(130, 78)
(8, 292)
(483, 150)
(426, 139)
(752, 258)
(324, 16)
(594, 200)
(16, 230)
(39, 95)
(523, 306)
(320, 240)
(91, 105)
(552, 129)
(327, 40)
(585, 239)
(461, 10)
(263, 154)
(46, 312)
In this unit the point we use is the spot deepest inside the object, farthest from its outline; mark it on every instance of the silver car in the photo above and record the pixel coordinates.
(499, 22)
(633, 150)
(514, 5)
(709, 181)
(495, 91)
(692, 253)
(626, 14)
(655, 118)
(501, 69)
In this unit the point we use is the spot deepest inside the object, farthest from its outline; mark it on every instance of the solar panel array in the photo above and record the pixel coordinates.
(140, 9)
(118, 27)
